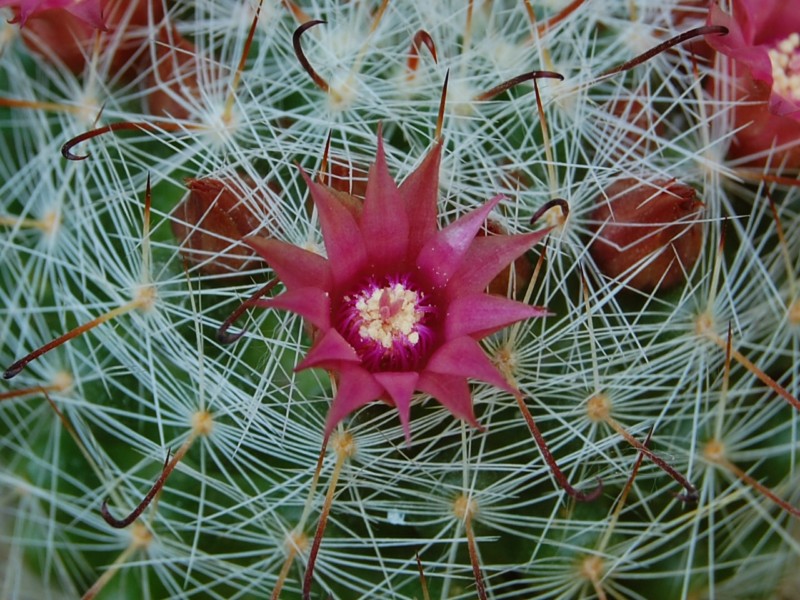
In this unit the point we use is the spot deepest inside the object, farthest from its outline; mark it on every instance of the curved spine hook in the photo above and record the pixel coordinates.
(223, 337)
(298, 52)
(133, 515)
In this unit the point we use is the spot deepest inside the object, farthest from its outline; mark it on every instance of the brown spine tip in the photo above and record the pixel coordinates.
(133, 515)
(301, 57)
(14, 369)
(515, 81)
(421, 38)
(223, 337)
(442, 102)
(560, 202)
(670, 43)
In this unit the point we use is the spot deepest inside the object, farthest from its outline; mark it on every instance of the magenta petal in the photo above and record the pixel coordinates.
(464, 357)
(442, 255)
(420, 190)
(450, 391)
(739, 34)
(343, 240)
(486, 257)
(88, 11)
(784, 107)
(384, 222)
(356, 388)
(311, 303)
(770, 20)
(294, 266)
(400, 386)
(479, 315)
(330, 352)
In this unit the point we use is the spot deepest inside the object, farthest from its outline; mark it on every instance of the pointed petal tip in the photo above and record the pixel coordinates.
(407, 432)
(330, 351)
(400, 387)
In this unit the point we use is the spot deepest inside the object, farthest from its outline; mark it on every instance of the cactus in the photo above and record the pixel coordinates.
(156, 440)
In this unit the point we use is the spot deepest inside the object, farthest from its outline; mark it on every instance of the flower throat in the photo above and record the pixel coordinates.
(387, 321)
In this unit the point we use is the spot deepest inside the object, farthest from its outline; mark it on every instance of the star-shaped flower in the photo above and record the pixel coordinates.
(399, 305)
(764, 36)
(763, 50)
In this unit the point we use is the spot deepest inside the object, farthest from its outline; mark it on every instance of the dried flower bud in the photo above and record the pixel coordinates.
(648, 232)
(213, 217)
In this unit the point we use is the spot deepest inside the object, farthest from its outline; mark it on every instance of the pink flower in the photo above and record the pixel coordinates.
(764, 36)
(398, 306)
(89, 11)
(763, 42)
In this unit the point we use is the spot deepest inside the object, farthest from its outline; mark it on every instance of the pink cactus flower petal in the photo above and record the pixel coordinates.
(441, 257)
(463, 357)
(494, 253)
(764, 37)
(384, 221)
(356, 387)
(296, 267)
(420, 191)
(311, 303)
(395, 307)
(400, 386)
(330, 352)
(452, 392)
(479, 315)
(89, 11)
(343, 238)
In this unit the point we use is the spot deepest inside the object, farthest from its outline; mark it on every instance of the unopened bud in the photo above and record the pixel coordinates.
(648, 234)
(213, 217)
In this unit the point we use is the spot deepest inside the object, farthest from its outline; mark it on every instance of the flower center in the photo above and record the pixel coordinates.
(386, 322)
(389, 314)
(785, 60)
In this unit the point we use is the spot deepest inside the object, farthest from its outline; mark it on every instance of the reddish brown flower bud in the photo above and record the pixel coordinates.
(213, 217)
(648, 232)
